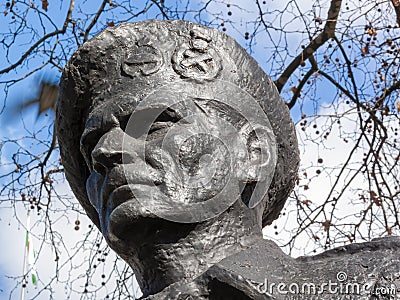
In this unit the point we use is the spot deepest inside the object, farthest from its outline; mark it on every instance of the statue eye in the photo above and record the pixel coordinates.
(158, 126)
(149, 121)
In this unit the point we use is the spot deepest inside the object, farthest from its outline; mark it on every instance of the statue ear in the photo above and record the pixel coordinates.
(261, 155)
(261, 147)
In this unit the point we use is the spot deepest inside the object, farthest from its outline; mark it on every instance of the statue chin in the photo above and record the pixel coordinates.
(124, 220)
(132, 224)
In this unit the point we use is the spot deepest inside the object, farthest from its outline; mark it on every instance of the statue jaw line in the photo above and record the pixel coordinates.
(162, 252)
(125, 218)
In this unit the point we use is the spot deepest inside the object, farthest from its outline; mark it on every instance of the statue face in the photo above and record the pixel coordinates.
(188, 163)
(178, 154)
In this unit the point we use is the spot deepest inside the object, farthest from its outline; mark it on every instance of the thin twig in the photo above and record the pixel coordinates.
(95, 19)
(41, 40)
(327, 33)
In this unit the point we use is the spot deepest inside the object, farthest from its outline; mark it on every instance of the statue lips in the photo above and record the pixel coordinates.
(124, 212)
(121, 179)
(118, 196)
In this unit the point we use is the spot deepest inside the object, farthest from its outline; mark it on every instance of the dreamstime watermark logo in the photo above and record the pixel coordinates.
(341, 276)
(341, 286)
(202, 143)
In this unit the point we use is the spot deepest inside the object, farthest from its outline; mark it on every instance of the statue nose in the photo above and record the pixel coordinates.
(110, 151)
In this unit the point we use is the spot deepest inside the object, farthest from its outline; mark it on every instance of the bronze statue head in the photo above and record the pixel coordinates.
(176, 143)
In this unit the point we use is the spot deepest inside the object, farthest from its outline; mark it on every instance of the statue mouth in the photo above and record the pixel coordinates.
(119, 196)
(123, 212)
(119, 185)
(127, 200)
(127, 219)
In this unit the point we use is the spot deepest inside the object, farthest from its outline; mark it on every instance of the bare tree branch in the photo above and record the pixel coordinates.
(41, 40)
(95, 19)
(327, 33)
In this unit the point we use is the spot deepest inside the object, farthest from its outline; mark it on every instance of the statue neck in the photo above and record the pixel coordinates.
(183, 259)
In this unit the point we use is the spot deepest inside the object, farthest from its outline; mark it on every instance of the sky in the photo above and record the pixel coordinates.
(13, 233)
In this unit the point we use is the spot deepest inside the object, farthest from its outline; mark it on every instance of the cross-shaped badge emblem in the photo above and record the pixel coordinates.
(198, 60)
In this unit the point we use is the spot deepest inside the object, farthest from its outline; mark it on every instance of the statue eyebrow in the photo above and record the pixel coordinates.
(199, 106)
(213, 107)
